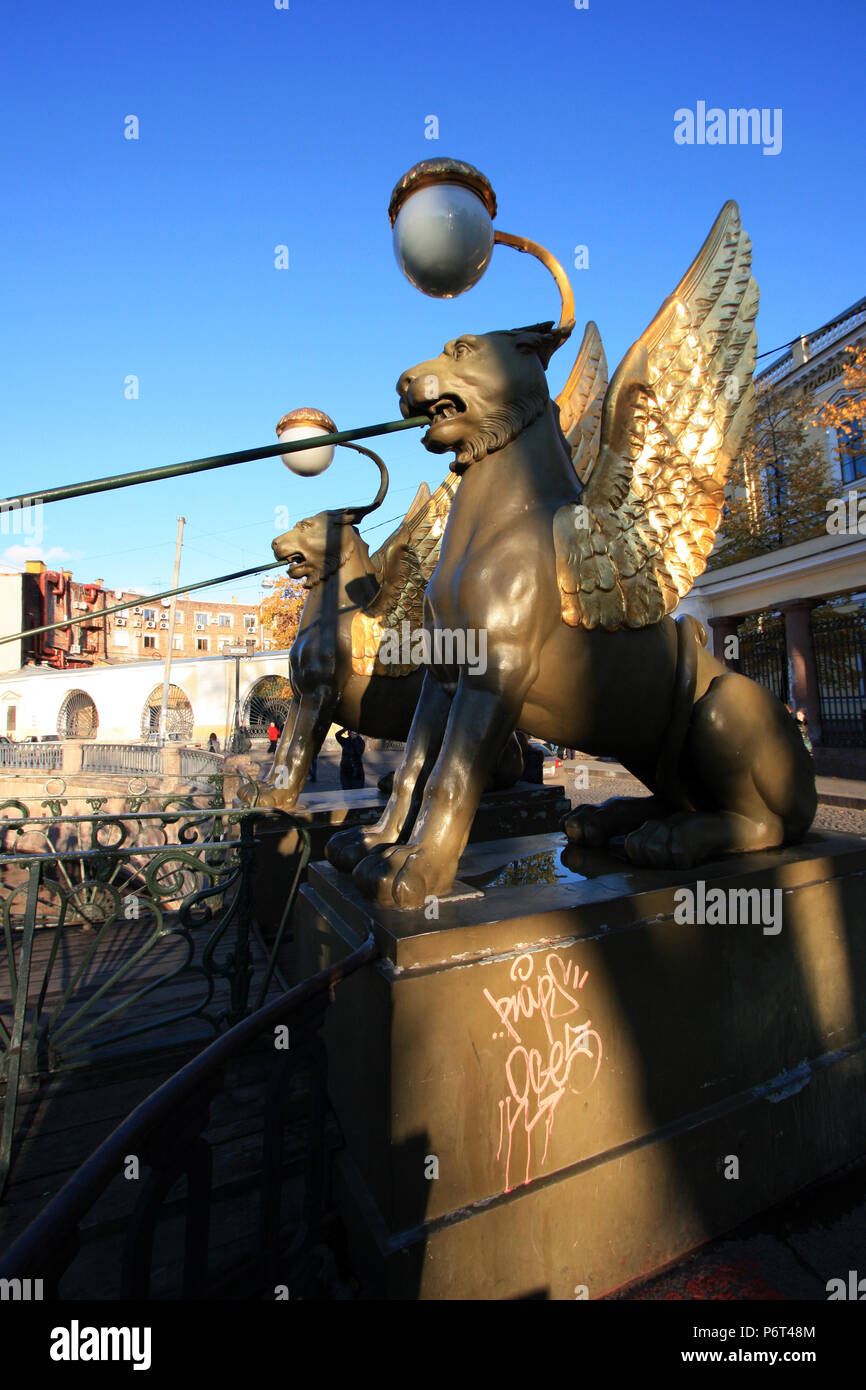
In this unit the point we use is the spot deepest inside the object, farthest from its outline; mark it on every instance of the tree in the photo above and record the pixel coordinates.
(779, 484)
(848, 415)
(280, 613)
(851, 410)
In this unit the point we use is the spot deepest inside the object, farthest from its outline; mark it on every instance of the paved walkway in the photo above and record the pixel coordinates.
(842, 802)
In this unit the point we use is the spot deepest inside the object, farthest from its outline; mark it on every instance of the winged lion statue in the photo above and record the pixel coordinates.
(574, 533)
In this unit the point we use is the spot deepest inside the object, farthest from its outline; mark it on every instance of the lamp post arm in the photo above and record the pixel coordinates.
(533, 248)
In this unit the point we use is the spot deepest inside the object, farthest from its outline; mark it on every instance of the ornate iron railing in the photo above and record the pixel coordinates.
(169, 1134)
(840, 661)
(101, 913)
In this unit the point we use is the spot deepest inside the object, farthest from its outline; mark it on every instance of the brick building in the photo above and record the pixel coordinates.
(203, 627)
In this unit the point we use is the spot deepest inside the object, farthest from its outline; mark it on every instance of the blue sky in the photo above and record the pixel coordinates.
(261, 127)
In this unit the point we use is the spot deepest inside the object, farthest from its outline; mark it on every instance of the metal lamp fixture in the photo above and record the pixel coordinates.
(442, 214)
(307, 423)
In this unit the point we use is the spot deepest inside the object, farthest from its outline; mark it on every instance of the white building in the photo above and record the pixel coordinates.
(121, 704)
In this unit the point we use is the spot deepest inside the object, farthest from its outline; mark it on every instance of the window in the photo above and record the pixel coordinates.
(851, 439)
(202, 644)
(150, 642)
(249, 622)
(178, 615)
(177, 643)
(200, 621)
(150, 615)
(121, 639)
(225, 619)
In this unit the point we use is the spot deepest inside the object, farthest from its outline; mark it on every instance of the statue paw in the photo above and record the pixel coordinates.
(400, 876)
(662, 844)
(348, 847)
(586, 826)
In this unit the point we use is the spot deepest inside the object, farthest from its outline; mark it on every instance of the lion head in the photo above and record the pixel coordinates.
(481, 391)
(318, 546)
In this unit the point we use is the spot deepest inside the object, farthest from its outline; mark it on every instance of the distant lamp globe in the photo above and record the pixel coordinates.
(442, 214)
(307, 423)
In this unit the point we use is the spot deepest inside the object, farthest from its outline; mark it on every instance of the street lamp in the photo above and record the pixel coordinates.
(307, 423)
(237, 653)
(442, 214)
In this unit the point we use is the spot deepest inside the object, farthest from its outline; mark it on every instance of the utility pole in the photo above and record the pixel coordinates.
(172, 612)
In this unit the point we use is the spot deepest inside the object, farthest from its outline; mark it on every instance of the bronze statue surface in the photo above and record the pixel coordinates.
(573, 535)
(354, 599)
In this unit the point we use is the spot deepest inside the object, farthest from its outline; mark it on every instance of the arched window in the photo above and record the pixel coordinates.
(179, 717)
(77, 717)
(268, 700)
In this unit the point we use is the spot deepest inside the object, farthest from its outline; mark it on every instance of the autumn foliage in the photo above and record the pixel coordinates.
(280, 612)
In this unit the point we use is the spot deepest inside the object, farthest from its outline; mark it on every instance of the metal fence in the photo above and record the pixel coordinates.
(764, 656)
(170, 1130)
(113, 925)
(839, 641)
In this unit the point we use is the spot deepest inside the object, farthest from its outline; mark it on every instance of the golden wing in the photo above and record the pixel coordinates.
(403, 565)
(580, 402)
(673, 417)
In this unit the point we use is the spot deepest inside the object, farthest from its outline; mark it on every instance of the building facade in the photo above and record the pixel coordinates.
(794, 617)
(203, 627)
(121, 702)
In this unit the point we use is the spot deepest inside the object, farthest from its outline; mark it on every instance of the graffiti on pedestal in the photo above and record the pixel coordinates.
(553, 1053)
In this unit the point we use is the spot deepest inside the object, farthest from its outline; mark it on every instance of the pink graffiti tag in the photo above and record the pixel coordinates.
(538, 1078)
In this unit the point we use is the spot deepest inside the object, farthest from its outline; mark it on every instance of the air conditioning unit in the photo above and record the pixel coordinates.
(118, 594)
(121, 622)
(151, 622)
(136, 622)
(75, 649)
(79, 604)
(136, 610)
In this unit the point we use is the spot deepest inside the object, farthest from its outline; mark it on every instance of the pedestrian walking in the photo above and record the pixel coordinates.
(803, 726)
(274, 735)
(351, 759)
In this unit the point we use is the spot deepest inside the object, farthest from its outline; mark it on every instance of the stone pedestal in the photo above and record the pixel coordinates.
(561, 1084)
(524, 809)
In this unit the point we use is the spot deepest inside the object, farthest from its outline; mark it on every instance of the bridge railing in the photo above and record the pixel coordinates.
(120, 757)
(47, 757)
(101, 917)
(169, 1130)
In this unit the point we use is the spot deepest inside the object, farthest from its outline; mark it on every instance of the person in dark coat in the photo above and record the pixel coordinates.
(351, 759)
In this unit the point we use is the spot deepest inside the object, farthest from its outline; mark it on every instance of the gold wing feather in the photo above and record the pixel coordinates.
(403, 565)
(580, 402)
(674, 415)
